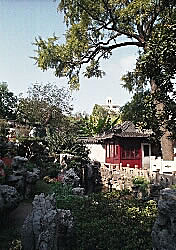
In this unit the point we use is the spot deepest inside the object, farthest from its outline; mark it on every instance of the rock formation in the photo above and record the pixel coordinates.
(9, 199)
(46, 226)
(78, 191)
(21, 178)
(71, 178)
(164, 229)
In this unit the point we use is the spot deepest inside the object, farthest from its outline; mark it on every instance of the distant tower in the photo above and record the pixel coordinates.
(110, 106)
(109, 101)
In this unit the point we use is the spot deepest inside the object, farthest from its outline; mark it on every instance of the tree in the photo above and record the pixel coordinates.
(45, 105)
(102, 120)
(141, 111)
(96, 30)
(158, 64)
(99, 121)
(8, 102)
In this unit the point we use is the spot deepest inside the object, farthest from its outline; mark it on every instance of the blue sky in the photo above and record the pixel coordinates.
(23, 20)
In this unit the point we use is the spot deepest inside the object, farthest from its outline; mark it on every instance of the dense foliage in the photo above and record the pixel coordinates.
(141, 110)
(157, 64)
(8, 102)
(109, 221)
(93, 33)
(96, 30)
(45, 105)
(102, 119)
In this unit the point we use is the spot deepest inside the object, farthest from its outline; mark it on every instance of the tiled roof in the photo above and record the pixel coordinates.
(127, 129)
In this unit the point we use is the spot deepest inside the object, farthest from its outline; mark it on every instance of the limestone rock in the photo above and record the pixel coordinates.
(9, 198)
(44, 228)
(70, 177)
(164, 229)
(19, 160)
(32, 177)
(21, 178)
(1, 164)
(78, 191)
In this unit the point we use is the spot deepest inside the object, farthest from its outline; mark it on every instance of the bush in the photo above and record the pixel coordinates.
(141, 183)
(173, 186)
(109, 222)
(41, 187)
(53, 169)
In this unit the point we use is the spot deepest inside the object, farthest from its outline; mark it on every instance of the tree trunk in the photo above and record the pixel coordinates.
(167, 146)
(166, 141)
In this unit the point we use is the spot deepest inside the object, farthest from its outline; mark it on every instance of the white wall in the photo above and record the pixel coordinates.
(97, 152)
(162, 166)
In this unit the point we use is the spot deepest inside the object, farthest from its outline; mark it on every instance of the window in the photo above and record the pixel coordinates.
(111, 150)
(107, 151)
(130, 153)
(116, 151)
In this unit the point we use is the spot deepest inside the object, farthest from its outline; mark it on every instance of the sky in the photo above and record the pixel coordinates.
(21, 21)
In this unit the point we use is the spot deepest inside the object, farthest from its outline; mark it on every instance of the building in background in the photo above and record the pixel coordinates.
(112, 107)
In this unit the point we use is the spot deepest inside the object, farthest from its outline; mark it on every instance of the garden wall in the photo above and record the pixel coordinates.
(119, 177)
(97, 152)
(157, 164)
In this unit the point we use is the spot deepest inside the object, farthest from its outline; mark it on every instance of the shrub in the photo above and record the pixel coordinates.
(141, 183)
(109, 222)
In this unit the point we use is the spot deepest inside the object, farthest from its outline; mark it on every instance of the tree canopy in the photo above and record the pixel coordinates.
(96, 29)
(141, 110)
(45, 104)
(8, 102)
(102, 119)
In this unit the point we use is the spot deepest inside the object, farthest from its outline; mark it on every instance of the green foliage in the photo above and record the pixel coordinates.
(60, 140)
(173, 186)
(34, 149)
(15, 245)
(29, 166)
(8, 102)
(157, 65)
(111, 221)
(4, 127)
(44, 105)
(2, 180)
(94, 31)
(80, 124)
(141, 110)
(10, 235)
(41, 187)
(52, 169)
(141, 183)
(63, 193)
(102, 120)
(7, 170)
(80, 157)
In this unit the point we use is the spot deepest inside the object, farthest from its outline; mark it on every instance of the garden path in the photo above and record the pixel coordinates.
(11, 227)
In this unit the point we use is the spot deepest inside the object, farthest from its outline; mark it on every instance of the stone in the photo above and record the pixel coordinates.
(71, 178)
(9, 198)
(164, 229)
(22, 179)
(47, 227)
(32, 177)
(1, 164)
(78, 191)
(19, 162)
